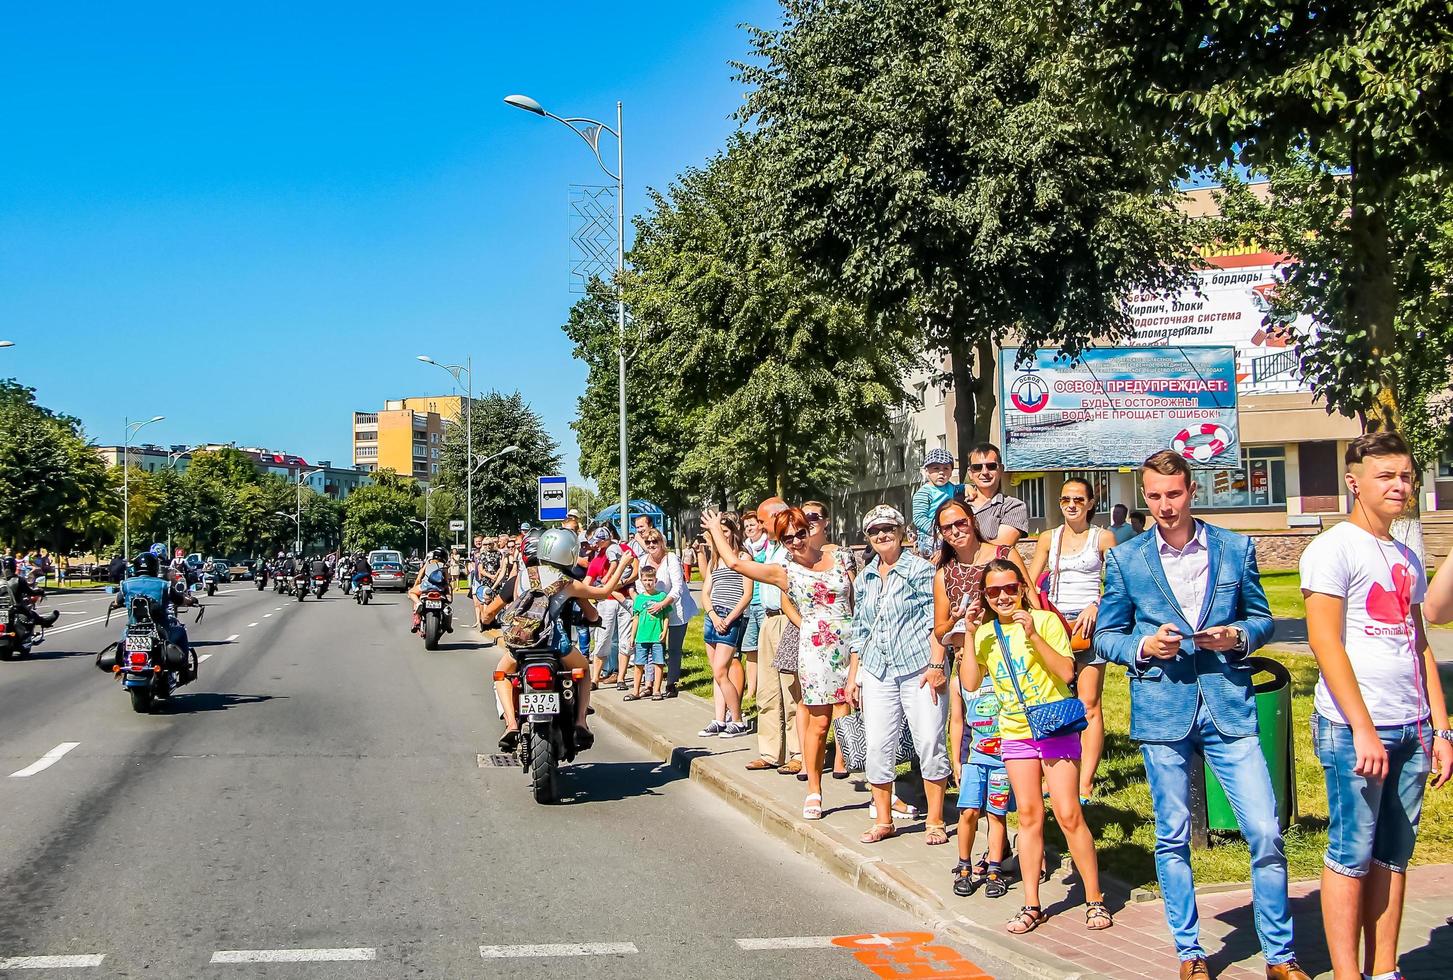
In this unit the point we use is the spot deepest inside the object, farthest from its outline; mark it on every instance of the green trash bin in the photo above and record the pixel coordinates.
(1273, 692)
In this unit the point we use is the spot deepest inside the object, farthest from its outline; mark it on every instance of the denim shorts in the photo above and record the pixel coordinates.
(733, 634)
(986, 788)
(1372, 822)
(649, 653)
(751, 636)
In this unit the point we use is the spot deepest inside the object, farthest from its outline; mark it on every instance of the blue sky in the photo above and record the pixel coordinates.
(250, 218)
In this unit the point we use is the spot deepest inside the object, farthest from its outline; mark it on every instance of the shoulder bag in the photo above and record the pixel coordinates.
(1051, 580)
(1063, 716)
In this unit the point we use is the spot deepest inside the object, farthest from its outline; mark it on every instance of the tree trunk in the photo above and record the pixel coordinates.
(986, 401)
(961, 361)
(1373, 294)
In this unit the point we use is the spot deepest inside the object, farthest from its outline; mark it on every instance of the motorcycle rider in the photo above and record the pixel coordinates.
(572, 605)
(435, 573)
(361, 569)
(21, 591)
(319, 566)
(146, 581)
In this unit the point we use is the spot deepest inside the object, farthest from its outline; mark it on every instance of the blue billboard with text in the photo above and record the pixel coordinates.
(1115, 406)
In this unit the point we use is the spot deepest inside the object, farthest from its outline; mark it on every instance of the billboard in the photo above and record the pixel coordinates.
(1118, 405)
(1228, 309)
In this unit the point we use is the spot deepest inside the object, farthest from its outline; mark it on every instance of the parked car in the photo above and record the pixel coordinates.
(388, 570)
(240, 568)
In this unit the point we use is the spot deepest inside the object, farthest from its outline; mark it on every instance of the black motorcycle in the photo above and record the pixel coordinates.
(259, 575)
(364, 591)
(320, 585)
(436, 617)
(545, 694)
(300, 586)
(17, 633)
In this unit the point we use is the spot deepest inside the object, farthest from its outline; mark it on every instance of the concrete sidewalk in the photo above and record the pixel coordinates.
(913, 876)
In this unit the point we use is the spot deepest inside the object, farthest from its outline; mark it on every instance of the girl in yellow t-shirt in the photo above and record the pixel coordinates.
(1043, 665)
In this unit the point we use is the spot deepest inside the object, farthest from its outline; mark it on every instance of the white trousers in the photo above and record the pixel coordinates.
(612, 636)
(886, 704)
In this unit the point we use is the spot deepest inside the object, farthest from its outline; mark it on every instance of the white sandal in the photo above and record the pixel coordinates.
(900, 809)
(810, 810)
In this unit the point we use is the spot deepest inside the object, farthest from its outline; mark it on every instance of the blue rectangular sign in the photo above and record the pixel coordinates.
(553, 498)
(1118, 405)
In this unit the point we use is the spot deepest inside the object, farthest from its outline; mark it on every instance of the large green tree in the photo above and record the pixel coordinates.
(505, 489)
(777, 378)
(942, 163)
(1359, 91)
(381, 514)
(54, 488)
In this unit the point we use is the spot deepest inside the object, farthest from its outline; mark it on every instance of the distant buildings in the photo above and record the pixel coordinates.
(406, 437)
(334, 481)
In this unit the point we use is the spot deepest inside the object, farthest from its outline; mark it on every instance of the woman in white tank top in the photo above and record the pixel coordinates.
(1073, 555)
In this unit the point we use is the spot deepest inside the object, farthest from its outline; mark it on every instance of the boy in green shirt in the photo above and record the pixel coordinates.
(648, 629)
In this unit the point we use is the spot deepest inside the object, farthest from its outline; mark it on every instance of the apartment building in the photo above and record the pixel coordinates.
(323, 476)
(406, 436)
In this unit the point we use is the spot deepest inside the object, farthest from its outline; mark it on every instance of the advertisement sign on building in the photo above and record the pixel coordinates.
(1118, 405)
(1229, 310)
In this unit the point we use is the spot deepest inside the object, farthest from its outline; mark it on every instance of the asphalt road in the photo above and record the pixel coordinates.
(317, 795)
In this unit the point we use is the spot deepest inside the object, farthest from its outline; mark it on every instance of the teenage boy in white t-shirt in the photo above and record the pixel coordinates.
(1380, 713)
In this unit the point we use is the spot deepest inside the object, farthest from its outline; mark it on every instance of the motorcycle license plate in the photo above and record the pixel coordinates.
(434, 604)
(140, 644)
(540, 703)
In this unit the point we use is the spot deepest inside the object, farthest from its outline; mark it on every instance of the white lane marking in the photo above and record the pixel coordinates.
(50, 962)
(788, 942)
(232, 637)
(265, 615)
(74, 626)
(357, 954)
(557, 949)
(204, 658)
(45, 761)
(277, 608)
(250, 625)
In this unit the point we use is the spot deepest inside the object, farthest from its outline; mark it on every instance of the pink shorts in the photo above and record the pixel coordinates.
(1058, 747)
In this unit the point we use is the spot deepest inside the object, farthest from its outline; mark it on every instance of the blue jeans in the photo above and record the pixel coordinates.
(1371, 822)
(1241, 769)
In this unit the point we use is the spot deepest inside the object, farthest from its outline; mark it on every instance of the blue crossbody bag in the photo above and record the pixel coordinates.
(1062, 717)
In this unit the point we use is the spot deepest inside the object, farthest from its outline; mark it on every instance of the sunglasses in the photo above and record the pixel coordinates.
(1066, 501)
(815, 518)
(878, 529)
(994, 591)
(794, 538)
(960, 526)
(986, 467)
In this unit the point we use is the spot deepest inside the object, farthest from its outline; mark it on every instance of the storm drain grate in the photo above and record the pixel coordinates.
(497, 760)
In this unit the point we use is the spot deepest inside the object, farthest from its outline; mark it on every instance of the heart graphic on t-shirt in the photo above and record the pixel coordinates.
(1391, 607)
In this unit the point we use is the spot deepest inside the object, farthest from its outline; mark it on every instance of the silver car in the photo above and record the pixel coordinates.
(388, 570)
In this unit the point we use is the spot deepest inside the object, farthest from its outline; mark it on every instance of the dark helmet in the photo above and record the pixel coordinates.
(146, 564)
(9, 566)
(439, 554)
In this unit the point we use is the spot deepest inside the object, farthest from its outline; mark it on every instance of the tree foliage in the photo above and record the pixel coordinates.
(1336, 89)
(54, 489)
(943, 164)
(380, 515)
(505, 489)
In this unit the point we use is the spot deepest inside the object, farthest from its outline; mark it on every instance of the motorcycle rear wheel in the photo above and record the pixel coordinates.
(141, 701)
(302, 594)
(544, 770)
(433, 628)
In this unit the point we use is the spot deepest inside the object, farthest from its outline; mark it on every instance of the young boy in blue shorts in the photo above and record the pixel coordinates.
(983, 788)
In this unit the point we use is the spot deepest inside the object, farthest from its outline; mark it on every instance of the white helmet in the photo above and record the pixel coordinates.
(558, 547)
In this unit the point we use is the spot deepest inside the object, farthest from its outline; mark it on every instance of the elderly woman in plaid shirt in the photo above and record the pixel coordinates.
(897, 672)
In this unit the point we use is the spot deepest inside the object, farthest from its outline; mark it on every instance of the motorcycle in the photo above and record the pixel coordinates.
(300, 586)
(364, 591)
(320, 585)
(436, 617)
(209, 582)
(147, 665)
(259, 575)
(18, 635)
(545, 697)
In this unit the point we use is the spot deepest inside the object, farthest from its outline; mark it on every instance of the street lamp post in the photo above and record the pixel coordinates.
(131, 429)
(299, 519)
(590, 130)
(467, 369)
(171, 464)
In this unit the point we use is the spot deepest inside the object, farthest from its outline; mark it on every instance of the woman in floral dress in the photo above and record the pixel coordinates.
(820, 587)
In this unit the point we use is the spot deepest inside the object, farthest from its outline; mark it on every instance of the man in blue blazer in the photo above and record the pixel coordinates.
(1183, 609)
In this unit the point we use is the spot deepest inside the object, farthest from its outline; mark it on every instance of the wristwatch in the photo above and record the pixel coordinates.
(1446, 734)
(940, 667)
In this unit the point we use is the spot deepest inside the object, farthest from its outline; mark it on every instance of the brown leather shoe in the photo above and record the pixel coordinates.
(1196, 969)
(1286, 971)
(757, 765)
(792, 768)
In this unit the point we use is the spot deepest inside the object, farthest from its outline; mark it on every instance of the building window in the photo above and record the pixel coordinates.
(366, 435)
(1032, 493)
(900, 459)
(943, 442)
(1445, 464)
(1099, 481)
(1260, 481)
(920, 450)
(365, 418)
(921, 391)
(939, 394)
(366, 452)
(880, 462)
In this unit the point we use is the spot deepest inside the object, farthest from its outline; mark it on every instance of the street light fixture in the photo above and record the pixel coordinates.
(7, 343)
(171, 464)
(590, 130)
(503, 452)
(302, 477)
(131, 429)
(455, 370)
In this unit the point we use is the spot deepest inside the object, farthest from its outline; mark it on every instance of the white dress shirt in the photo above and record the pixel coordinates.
(1188, 571)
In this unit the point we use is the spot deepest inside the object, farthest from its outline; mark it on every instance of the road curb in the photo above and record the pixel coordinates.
(873, 876)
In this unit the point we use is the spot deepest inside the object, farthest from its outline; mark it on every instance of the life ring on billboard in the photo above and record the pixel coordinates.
(1201, 452)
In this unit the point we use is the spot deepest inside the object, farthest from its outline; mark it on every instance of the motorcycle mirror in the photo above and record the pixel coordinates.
(196, 588)
(110, 590)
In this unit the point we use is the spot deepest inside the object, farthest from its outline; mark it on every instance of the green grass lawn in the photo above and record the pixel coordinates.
(1284, 593)
(1122, 818)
